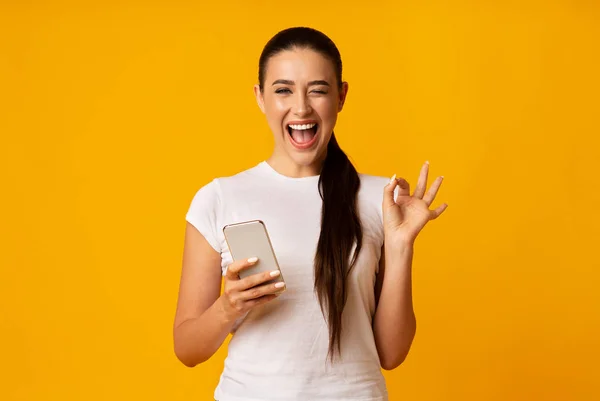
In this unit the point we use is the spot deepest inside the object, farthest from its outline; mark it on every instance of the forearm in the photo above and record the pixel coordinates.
(394, 324)
(197, 339)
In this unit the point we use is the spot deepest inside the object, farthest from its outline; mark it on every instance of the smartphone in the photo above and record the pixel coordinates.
(248, 239)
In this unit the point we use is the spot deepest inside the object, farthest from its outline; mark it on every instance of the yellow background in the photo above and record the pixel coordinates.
(114, 114)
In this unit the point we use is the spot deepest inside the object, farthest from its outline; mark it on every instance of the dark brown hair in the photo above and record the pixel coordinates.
(338, 186)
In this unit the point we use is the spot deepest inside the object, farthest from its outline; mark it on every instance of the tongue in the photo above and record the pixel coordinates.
(302, 136)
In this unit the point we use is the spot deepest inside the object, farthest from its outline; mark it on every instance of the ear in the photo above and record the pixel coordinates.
(259, 98)
(342, 96)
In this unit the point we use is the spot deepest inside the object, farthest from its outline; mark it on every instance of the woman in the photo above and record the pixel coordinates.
(344, 242)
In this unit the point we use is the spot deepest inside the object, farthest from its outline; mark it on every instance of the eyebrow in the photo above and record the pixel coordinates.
(288, 82)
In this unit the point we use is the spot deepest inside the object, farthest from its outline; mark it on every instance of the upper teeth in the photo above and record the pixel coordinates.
(302, 126)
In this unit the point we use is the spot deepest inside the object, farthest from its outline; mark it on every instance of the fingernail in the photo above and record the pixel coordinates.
(426, 161)
(393, 179)
(252, 259)
(275, 273)
(279, 285)
(442, 176)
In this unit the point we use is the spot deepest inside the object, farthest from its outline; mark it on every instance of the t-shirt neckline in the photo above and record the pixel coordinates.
(266, 167)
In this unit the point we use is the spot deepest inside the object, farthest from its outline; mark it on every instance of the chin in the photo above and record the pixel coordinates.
(302, 159)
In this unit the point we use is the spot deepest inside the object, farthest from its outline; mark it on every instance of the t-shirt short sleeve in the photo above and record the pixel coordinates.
(204, 213)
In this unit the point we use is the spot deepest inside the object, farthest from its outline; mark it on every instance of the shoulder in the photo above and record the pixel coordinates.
(241, 179)
(372, 183)
(370, 200)
(209, 203)
(371, 188)
(216, 186)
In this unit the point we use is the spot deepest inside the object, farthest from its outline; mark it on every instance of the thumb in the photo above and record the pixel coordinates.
(388, 192)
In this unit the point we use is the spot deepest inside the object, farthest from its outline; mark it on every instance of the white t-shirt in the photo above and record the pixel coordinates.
(279, 351)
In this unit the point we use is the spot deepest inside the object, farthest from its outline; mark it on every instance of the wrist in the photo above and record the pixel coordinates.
(399, 242)
(398, 252)
(225, 317)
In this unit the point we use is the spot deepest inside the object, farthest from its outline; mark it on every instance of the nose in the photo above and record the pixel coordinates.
(302, 106)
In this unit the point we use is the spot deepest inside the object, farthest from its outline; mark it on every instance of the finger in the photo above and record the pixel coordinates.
(433, 190)
(233, 270)
(422, 182)
(404, 187)
(438, 211)
(261, 290)
(388, 190)
(256, 279)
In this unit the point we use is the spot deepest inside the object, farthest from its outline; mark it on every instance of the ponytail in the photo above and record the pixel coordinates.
(340, 231)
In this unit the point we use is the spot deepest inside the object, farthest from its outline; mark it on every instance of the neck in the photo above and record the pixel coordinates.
(288, 167)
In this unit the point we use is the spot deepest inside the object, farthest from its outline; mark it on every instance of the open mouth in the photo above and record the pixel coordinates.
(303, 135)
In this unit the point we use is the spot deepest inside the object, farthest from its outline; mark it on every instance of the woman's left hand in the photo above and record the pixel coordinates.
(406, 216)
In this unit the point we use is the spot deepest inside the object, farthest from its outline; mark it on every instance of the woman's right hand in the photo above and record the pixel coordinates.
(242, 294)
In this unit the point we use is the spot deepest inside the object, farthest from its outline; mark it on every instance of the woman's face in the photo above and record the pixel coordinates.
(301, 99)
